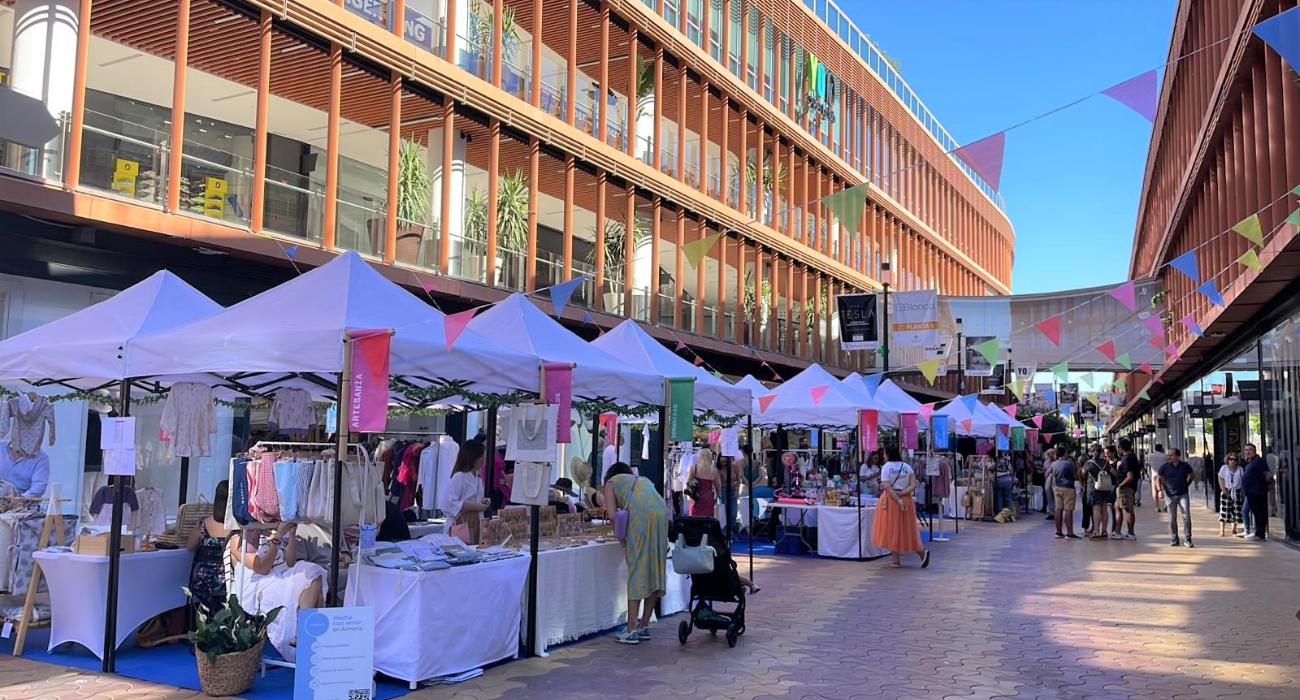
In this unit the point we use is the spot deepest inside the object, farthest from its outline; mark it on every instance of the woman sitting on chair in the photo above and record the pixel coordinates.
(269, 574)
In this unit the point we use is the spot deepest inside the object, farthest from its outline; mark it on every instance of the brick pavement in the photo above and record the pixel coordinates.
(1004, 611)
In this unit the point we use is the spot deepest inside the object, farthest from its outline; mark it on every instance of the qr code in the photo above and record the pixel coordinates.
(362, 694)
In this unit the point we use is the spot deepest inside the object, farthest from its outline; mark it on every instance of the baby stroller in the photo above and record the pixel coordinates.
(722, 585)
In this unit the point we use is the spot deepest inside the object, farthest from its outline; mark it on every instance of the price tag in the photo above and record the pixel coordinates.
(8, 630)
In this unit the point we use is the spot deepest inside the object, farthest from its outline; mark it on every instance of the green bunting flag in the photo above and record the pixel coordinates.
(1121, 385)
(1125, 361)
(847, 206)
(1250, 229)
(695, 251)
(1144, 395)
(1061, 370)
(989, 349)
(1296, 190)
(1250, 259)
(1294, 218)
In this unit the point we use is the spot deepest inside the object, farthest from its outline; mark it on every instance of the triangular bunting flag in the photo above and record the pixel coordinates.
(765, 401)
(695, 251)
(1051, 327)
(970, 401)
(717, 374)
(966, 424)
(1067, 409)
(1038, 421)
(454, 324)
(586, 318)
(1250, 230)
(1018, 388)
(1293, 218)
(1145, 367)
(1172, 350)
(1186, 264)
(872, 381)
(1108, 349)
(1282, 33)
(1120, 384)
(985, 157)
(818, 393)
(680, 346)
(561, 293)
(1091, 398)
(1250, 259)
(1011, 409)
(1154, 323)
(428, 285)
(1157, 341)
(698, 360)
(1211, 292)
(1137, 93)
(989, 349)
(929, 369)
(927, 410)
(1061, 370)
(846, 205)
(1088, 378)
(1144, 395)
(1125, 361)
(291, 252)
(1126, 294)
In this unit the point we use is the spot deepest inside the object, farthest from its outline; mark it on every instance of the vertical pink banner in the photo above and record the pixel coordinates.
(983, 446)
(367, 400)
(609, 424)
(907, 426)
(868, 422)
(559, 391)
(1031, 439)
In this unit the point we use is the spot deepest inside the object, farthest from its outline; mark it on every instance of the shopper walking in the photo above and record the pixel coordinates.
(703, 484)
(646, 545)
(1229, 496)
(1175, 480)
(1130, 480)
(1154, 461)
(896, 527)
(1064, 476)
(1255, 480)
(1100, 491)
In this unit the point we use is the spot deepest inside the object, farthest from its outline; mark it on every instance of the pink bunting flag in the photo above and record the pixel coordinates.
(818, 393)
(927, 410)
(1171, 350)
(1051, 327)
(428, 285)
(680, 346)
(1038, 421)
(764, 402)
(908, 431)
(454, 325)
(1137, 93)
(1190, 322)
(985, 157)
(1145, 367)
(1108, 349)
(698, 360)
(868, 428)
(1011, 409)
(1154, 323)
(1157, 341)
(1126, 294)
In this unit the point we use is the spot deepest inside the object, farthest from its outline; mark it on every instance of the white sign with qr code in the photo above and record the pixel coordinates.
(336, 654)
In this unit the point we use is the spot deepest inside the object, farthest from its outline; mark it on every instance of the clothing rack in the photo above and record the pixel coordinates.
(308, 446)
(430, 436)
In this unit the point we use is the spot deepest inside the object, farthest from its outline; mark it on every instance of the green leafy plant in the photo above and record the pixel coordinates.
(512, 212)
(414, 185)
(230, 629)
(615, 241)
(480, 26)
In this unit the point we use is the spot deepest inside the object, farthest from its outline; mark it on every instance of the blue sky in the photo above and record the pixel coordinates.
(1071, 180)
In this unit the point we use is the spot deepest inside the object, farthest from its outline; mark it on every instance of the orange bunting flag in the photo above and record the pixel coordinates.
(1051, 327)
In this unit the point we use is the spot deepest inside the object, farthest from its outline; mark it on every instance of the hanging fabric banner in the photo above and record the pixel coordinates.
(1003, 436)
(868, 421)
(368, 388)
(681, 408)
(609, 426)
(939, 430)
(908, 431)
(983, 446)
(559, 391)
(858, 327)
(915, 319)
(1017, 437)
(1031, 438)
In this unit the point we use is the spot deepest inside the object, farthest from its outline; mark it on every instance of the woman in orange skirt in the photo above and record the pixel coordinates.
(895, 527)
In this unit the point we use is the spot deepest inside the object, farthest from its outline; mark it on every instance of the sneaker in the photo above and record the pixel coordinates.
(1253, 538)
(1116, 536)
(627, 638)
(1175, 543)
(643, 634)
(1188, 544)
(1244, 535)
(1130, 536)
(1073, 536)
(1059, 536)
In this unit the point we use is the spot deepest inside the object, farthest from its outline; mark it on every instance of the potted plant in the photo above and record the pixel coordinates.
(512, 221)
(228, 645)
(615, 247)
(414, 197)
(480, 26)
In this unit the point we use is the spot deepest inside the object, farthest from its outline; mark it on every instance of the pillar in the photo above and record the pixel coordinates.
(51, 43)
(447, 156)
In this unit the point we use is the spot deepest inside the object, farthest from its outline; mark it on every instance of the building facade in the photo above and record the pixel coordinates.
(1225, 147)
(223, 136)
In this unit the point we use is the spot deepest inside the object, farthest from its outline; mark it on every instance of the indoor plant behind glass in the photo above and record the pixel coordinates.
(228, 645)
(414, 199)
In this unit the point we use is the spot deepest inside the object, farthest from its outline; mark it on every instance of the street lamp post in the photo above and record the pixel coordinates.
(961, 375)
(884, 331)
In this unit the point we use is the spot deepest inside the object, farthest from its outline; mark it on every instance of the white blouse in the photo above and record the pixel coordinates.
(465, 487)
(1231, 478)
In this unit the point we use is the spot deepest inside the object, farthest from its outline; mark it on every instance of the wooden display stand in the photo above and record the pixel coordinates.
(53, 521)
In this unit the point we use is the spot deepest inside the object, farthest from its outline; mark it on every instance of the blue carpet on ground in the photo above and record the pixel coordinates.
(170, 664)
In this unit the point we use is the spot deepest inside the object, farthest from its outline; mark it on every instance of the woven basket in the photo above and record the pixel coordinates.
(230, 674)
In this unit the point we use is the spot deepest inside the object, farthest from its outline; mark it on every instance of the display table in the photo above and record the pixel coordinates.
(677, 598)
(838, 530)
(439, 623)
(743, 509)
(580, 591)
(78, 583)
(799, 516)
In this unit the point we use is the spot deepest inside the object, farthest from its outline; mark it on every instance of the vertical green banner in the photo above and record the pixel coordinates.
(1017, 437)
(681, 408)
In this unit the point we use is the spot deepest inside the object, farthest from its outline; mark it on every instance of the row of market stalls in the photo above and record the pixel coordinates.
(141, 343)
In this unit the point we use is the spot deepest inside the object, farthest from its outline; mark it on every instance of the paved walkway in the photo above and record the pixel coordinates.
(1003, 611)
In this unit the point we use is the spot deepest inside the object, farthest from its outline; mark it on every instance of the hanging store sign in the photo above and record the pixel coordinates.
(858, 327)
(819, 89)
(997, 384)
(1200, 410)
(976, 364)
(1068, 395)
(915, 318)
(368, 388)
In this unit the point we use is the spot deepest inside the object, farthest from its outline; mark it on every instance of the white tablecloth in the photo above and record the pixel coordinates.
(678, 596)
(437, 623)
(837, 534)
(580, 590)
(150, 583)
(743, 509)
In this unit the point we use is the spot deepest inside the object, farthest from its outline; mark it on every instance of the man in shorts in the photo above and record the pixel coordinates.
(1130, 476)
(1064, 476)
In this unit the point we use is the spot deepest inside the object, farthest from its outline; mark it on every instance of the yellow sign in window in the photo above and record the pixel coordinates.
(125, 175)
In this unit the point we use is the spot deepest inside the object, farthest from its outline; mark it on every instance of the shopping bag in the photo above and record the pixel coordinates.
(531, 436)
(693, 560)
(531, 484)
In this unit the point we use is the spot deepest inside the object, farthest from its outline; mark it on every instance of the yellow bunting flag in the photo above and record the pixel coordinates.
(695, 251)
(1250, 229)
(847, 206)
(1250, 259)
(929, 369)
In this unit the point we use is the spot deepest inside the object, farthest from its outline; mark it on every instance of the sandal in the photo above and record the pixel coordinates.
(925, 559)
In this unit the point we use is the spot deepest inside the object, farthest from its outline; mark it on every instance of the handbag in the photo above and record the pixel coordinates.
(460, 530)
(621, 517)
(531, 436)
(531, 484)
(693, 560)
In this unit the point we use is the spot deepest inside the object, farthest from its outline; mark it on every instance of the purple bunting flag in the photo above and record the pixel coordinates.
(1126, 294)
(985, 157)
(1137, 93)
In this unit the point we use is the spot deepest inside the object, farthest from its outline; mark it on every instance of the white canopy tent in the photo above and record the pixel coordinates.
(855, 387)
(517, 322)
(85, 349)
(299, 326)
(894, 397)
(794, 404)
(630, 343)
(982, 425)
